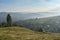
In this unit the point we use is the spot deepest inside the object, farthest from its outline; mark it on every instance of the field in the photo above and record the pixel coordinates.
(20, 33)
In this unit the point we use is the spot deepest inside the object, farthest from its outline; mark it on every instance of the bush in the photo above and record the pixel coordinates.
(9, 20)
(14, 24)
(40, 30)
(3, 24)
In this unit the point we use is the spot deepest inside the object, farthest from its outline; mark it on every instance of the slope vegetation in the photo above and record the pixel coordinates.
(20, 33)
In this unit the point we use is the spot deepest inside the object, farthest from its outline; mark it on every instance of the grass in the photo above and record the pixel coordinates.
(20, 33)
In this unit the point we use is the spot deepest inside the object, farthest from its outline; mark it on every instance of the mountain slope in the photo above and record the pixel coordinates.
(49, 24)
(20, 33)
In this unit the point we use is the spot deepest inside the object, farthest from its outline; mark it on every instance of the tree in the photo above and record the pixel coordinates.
(9, 20)
(40, 30)
(3, 24)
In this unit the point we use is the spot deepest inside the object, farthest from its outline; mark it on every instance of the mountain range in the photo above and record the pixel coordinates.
(24, 15)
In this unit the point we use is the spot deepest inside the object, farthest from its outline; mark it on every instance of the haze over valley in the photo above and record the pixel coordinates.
(26, 15)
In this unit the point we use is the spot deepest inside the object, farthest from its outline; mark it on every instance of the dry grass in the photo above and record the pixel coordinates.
(19, 33)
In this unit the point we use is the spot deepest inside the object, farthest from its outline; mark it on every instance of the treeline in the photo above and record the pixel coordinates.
(8, 22)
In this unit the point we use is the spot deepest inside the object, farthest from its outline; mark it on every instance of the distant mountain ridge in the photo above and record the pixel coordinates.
(49, 24)
(22, 16)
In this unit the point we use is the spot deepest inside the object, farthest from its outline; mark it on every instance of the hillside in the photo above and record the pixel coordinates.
(49, 24)
(20, 33)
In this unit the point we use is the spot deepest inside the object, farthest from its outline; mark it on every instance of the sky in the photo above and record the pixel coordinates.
(29, 5)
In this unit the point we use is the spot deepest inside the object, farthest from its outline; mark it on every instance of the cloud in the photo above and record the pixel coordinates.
(29, 5)
(30, 9)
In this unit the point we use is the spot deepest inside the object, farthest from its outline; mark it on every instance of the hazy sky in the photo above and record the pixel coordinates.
(29, 5)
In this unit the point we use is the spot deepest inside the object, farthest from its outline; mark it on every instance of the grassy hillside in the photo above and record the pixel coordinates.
(20, 33)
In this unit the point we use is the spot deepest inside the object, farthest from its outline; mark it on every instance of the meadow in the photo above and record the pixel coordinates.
(21, 33)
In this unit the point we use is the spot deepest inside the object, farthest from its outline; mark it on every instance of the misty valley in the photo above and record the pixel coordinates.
(49, 24)
(33, 21)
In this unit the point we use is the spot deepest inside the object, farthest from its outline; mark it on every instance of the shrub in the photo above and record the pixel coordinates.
(40, 30)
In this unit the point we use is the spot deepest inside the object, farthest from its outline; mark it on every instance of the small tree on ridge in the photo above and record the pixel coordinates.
(9, 20)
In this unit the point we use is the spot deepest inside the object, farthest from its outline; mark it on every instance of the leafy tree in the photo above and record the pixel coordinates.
(9, 20)
(40, 30)
(3, 24)
(0, 25)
